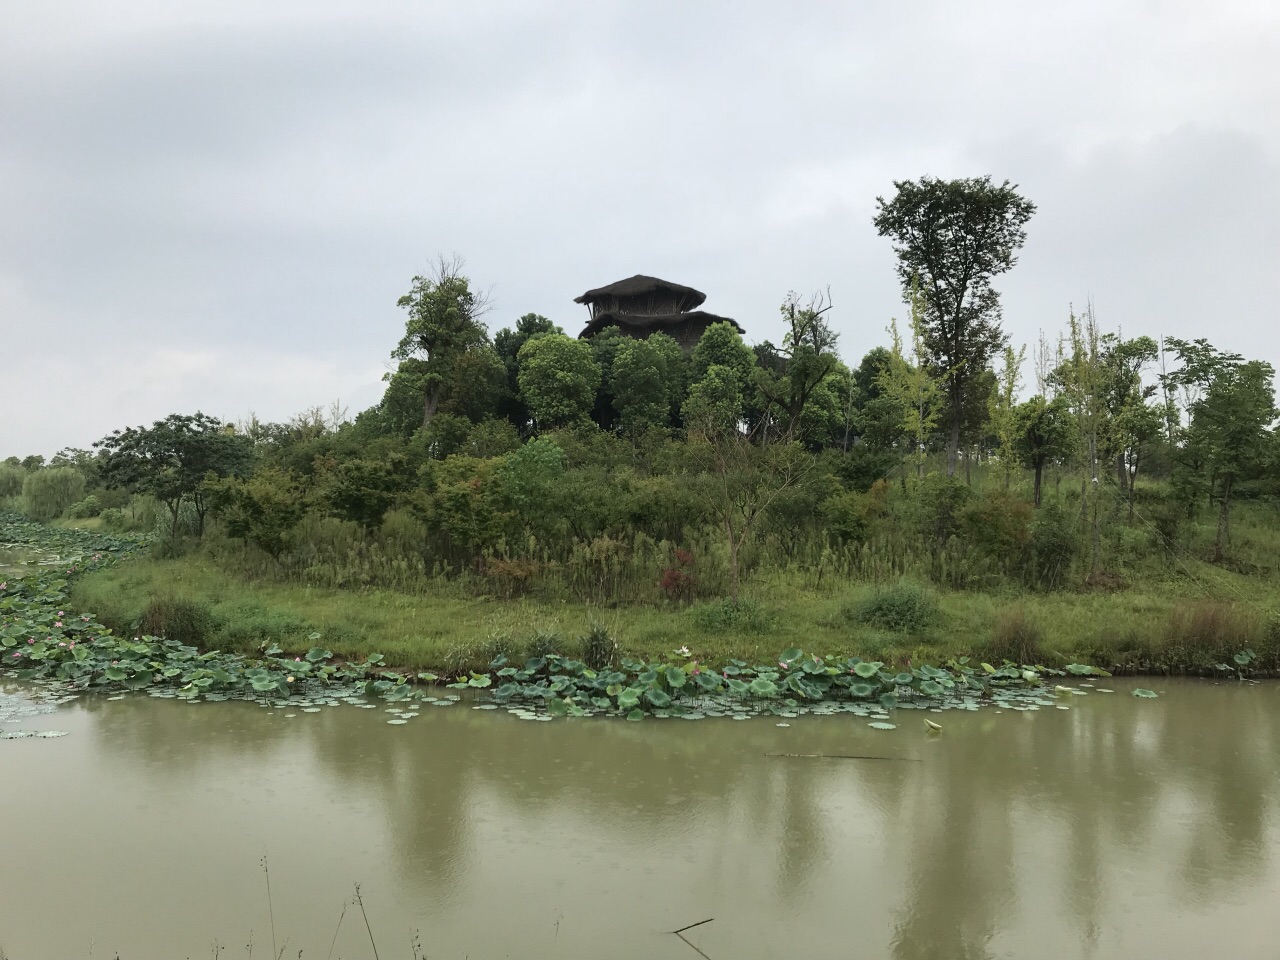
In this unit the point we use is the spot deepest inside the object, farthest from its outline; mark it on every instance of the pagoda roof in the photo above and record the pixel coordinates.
(638, 286)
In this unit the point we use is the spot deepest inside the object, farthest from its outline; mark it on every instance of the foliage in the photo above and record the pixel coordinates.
(558, 380)
(645, 381)
(954, 237)
(49, 492)
(443, 326)
(172, 459)
(904, 607)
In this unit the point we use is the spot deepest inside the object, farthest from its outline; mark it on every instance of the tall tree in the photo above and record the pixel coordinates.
(444, 323)
(956, 236)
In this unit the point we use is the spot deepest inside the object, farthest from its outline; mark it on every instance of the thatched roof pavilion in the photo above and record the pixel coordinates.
(640, 306)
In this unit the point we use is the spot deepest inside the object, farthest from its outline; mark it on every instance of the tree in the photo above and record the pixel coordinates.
(1002, 412)
(171, 459)
(645, 381)
(1045, 431)
(880, 415)
(806, 359)
(906, 381)
(261, 509)
(444, 323)
(721, 345)
(954, 237)
(507, 342)
(48, 492)
(1230, 421)
(558, 379)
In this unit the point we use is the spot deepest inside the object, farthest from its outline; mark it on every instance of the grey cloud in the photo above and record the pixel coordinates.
(260, 184)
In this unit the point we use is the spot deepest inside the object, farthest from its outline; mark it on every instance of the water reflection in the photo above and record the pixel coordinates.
(1084, 828)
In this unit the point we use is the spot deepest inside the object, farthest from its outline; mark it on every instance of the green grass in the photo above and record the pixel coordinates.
(1179, 624)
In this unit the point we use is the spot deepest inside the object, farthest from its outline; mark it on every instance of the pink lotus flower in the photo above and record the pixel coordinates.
(57, 623)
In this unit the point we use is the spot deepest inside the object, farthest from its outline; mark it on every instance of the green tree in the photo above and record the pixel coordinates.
(722, 345)
(880, 416)
(444, 324)
(507, 342)
(645, 381)
(48, 492)
(905, 379)
(558, 380)
(806, 359)
(171, 459)
(260, 509)
(1045, 432)
(1002, 406)
(714, 404)
(954, 237)
(1230, 421)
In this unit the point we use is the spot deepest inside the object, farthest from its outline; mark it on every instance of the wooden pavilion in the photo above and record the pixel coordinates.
(640, 306)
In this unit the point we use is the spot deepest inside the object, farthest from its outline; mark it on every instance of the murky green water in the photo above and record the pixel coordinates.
(16, 561)
(1121, 828)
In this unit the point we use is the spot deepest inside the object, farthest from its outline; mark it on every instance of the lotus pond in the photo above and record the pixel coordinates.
(1122, 826)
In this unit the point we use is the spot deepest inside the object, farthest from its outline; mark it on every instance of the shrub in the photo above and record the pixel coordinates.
(905, 607)
(598, 649)
(939, 504)
(678, 580)
(1017, 638)
(544, 642)
(1053, 547)
(745, 616)
(90, 506)
(998, 525)
(176, 618)
(113, 519)
(1209, 632)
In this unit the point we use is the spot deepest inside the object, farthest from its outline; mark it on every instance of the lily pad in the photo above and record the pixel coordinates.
(882, 725)
(1145, 694)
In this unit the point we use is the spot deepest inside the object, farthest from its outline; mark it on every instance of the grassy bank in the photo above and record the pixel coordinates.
(1180, 625)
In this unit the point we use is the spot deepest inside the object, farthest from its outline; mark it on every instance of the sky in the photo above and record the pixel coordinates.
(215, 206)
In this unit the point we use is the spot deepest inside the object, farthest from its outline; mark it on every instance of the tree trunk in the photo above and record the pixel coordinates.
(733, 561)
(1095, 562)
(1039, 471)
(430, 404)
(1122, 472)
(1133, 479)
(953, 444)
(1223, 538)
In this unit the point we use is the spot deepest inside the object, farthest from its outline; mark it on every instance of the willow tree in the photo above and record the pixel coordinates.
(955, 237)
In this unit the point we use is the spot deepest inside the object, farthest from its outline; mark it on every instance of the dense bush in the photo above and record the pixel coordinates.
(90, 506)
(905, 607)
(1054, 545)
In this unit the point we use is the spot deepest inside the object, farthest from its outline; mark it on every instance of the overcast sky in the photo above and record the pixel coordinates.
(215, 206)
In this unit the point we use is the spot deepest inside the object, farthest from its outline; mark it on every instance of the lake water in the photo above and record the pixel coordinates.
(1120, 828)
